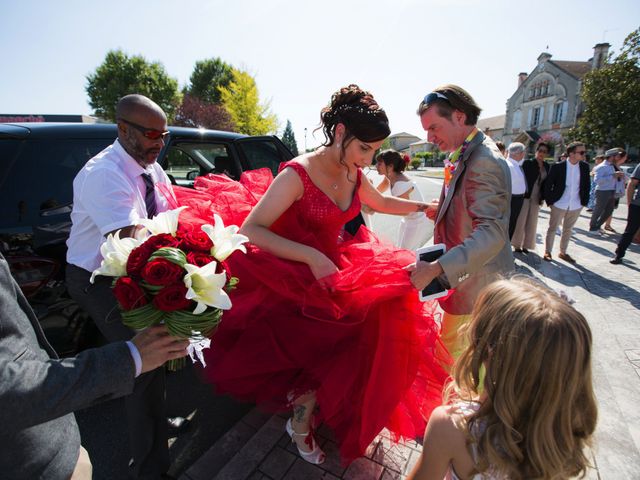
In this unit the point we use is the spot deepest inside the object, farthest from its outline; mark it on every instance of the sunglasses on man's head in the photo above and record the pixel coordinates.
(431, 97)
(150, 133)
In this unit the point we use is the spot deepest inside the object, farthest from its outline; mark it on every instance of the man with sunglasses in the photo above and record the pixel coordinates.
(472, 214)
(117, 187)
(566, 191)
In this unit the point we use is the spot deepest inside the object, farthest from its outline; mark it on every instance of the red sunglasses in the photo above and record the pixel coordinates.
(150, 133)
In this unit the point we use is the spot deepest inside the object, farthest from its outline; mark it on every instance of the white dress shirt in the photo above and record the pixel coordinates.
(570, 199)
(108, 194)
(518, 182)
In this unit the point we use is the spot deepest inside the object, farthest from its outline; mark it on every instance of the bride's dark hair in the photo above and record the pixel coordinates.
(357, 110)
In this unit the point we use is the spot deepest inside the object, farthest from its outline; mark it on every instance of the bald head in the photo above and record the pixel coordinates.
(135, 106)
(142, 126)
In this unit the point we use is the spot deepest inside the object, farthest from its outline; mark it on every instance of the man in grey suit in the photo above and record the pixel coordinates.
(472, 214)
(39, 392)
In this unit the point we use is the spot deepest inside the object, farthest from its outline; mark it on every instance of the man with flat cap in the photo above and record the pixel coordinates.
(606, 176)
(115, 189)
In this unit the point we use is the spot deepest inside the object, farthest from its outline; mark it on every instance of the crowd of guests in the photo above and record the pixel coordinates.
(567, 187)
(328, 325)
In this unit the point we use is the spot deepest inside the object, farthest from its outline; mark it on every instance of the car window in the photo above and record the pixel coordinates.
(186, 160)
(36, 178)
(260, 153)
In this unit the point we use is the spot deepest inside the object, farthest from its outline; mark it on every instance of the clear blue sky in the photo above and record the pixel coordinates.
(300, 52)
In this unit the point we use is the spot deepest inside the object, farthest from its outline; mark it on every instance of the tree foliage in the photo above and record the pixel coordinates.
(194, 112)
(120, 75)
(208, 75)
(241, 99)
(289, 139)
(611, 98)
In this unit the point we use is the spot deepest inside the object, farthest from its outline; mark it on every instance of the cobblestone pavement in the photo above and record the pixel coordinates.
(608, 295)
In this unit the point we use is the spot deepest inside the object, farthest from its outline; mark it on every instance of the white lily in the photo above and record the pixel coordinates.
(115, 252)
(204, 286)
(165, 222)
(225, 240)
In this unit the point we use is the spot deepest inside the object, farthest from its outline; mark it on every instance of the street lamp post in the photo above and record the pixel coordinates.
(305, 139)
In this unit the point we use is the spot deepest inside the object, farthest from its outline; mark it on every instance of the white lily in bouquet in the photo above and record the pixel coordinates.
(173, 276)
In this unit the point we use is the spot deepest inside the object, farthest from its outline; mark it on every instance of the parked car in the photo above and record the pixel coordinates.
(38, 162)
(628, 169)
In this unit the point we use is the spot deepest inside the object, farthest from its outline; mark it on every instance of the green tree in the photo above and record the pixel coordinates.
(208, 75)
(611, 98)
(241, 99)
(289, 139)
(120, 75)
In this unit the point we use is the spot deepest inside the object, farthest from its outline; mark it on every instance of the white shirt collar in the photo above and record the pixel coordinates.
(129, 164)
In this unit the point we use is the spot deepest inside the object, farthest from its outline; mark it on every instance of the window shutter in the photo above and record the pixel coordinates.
(529, 117)
(563, 115)
(541, 121)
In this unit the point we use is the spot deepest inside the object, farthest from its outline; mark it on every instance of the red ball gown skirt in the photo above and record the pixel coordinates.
(365, 344)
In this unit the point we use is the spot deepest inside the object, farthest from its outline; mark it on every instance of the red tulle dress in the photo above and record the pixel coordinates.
(366, 345)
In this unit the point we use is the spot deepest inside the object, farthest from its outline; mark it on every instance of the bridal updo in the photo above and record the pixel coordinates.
(358, 111)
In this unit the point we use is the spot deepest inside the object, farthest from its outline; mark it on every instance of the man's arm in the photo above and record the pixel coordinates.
(631, 187)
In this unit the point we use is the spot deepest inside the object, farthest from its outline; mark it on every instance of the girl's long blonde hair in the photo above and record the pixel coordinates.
(538, 410)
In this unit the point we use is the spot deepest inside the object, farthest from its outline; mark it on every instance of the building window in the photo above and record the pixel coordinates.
(536, 117)
(559, 112)
(517, 118)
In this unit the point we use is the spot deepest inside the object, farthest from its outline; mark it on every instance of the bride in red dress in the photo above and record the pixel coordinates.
(320, 318)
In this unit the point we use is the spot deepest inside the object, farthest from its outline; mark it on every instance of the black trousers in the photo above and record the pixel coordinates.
(633, 224)
(516, 206)
(146, 406)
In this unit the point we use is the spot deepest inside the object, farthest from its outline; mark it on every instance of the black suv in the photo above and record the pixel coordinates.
(38, 162)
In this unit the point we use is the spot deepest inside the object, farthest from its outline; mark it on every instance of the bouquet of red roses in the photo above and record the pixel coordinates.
(172, 275)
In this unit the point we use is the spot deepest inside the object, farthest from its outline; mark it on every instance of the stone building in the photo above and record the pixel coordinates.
(547, 101)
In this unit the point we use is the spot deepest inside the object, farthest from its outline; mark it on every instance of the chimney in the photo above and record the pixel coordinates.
(522, 76)
(600, 53)
(544, 56)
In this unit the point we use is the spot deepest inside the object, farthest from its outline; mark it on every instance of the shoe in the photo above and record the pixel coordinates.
(177, 425)
(525, 251)
(316, 455)
(547, 256)
(566, 257)
(517, 250)
(609, 229)
(616, 260)
(589, 210)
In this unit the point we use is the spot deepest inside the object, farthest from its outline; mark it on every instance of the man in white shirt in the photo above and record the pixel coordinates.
(515, 158)
(566, 191)
(117, 187)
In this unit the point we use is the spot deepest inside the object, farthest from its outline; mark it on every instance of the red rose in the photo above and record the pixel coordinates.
(172, 298)
(138, 259)
(196, 240)
(129, 294)
(160, 271)
(224, 267)
(161, 240)
(199, 259)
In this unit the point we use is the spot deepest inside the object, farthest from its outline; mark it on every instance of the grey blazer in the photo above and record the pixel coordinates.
(473, 222)
(38, 391)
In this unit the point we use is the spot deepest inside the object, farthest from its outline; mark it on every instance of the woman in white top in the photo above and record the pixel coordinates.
(414, 227)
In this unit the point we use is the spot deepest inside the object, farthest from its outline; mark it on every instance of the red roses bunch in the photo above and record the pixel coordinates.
(173, 275)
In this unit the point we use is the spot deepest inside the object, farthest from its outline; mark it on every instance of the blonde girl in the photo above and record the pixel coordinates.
(535, 412)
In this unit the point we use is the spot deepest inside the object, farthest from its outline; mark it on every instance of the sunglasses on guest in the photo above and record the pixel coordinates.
(580, 152)
(431, 97)
(150, 133)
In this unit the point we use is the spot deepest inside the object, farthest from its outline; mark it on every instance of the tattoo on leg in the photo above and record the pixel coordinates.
(299, 413)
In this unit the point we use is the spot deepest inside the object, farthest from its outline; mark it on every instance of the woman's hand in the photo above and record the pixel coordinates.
(321, 266)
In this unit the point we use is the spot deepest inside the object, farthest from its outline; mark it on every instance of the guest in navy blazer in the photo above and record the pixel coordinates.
(566, 191)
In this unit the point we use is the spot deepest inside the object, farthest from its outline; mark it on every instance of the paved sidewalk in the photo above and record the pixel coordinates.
(257, 448)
